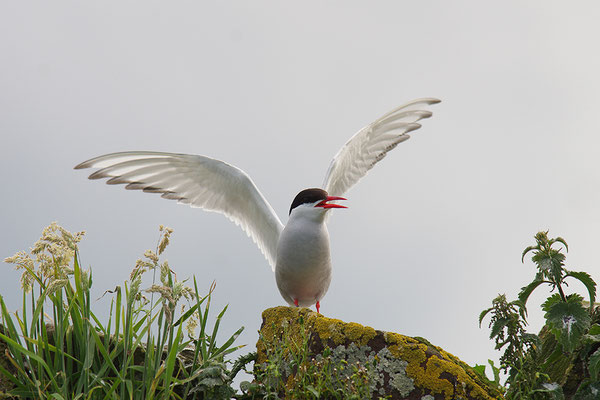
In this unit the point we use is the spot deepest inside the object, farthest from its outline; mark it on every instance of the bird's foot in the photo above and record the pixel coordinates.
(296, 302)
(318, 306)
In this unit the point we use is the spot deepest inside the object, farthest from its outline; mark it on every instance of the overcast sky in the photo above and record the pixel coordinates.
(433, 233)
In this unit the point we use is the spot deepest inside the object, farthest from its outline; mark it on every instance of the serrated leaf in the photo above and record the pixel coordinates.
(569, 321)
(594, 330)
(591, 339)
(555, 298)
(553, 391)
(531, 338)
(587, 390)
(593, 334)
(560, 240)
(526, 291)
(483, 314)
(497, 326)
(594, 364)
(575, 298)
(588, 282)
(527, 250)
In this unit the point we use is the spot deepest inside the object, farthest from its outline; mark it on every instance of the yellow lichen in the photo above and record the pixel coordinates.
(327, 328)
(359, 334)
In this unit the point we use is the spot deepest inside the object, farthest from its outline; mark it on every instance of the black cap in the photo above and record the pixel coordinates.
(308, 196)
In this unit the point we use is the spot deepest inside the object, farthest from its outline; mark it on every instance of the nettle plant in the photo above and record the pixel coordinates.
(564, 359)
(566, 315)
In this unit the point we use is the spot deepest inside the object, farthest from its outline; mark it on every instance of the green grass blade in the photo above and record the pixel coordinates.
(213, 338)
(32, 356)
(171, 358)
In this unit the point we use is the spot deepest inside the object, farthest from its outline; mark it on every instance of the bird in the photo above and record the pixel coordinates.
(298, 252)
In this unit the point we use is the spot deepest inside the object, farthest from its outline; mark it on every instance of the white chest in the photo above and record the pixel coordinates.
(303, 268)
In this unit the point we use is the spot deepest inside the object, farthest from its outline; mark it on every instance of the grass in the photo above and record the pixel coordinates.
(148, 348)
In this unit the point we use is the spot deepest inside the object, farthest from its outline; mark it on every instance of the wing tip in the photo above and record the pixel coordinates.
(428, 100)
(97, 175)
(413, 126)
(423, 100)
(82, 165)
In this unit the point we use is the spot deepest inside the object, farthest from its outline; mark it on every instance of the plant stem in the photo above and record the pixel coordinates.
(562, 294)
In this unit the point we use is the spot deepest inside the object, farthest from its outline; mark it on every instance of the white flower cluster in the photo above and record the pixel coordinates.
(49, 260)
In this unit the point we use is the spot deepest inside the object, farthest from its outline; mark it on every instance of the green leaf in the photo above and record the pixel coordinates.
(587, 390)
(171, 358)
(589, 283)
(594, 365)
(480, 370)
(498, 326)
(550, 301)
(593, 335)
(32, 356)
(531, 338)
(227, 348)
(550, 263)
(569, 321)
(526, 291)
(527, 250)
(483, 314)
(553, 391)
(560, 240)
(594, 330)
(496, 372)
(313, 391)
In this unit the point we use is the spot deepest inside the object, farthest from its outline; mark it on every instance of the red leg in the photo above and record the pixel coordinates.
(318, 306)
(296, 302)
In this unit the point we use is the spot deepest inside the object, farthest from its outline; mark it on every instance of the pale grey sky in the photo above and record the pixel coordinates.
(432, 234)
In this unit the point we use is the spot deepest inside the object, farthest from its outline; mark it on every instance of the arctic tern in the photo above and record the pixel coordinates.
(297, 252)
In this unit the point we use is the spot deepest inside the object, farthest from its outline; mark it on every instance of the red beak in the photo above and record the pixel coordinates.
(324, 203)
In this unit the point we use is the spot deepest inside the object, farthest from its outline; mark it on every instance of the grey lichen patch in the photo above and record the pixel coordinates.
(396, 370)
(428, 397)
(353, 354)
(380, 365)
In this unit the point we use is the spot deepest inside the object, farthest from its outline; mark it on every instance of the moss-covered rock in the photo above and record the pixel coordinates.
(398, 366)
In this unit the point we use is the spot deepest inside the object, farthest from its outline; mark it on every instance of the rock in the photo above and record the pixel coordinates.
(397, 366)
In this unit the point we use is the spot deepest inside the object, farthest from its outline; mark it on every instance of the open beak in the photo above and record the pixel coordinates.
(326, 205)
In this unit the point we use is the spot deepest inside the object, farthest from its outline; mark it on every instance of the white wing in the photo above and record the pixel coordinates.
(200, 182)
(369, 145)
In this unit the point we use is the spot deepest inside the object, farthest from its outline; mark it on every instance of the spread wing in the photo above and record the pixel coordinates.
(200, 182)
(371, 144)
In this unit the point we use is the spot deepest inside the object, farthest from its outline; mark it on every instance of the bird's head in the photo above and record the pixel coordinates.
(314, 199)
